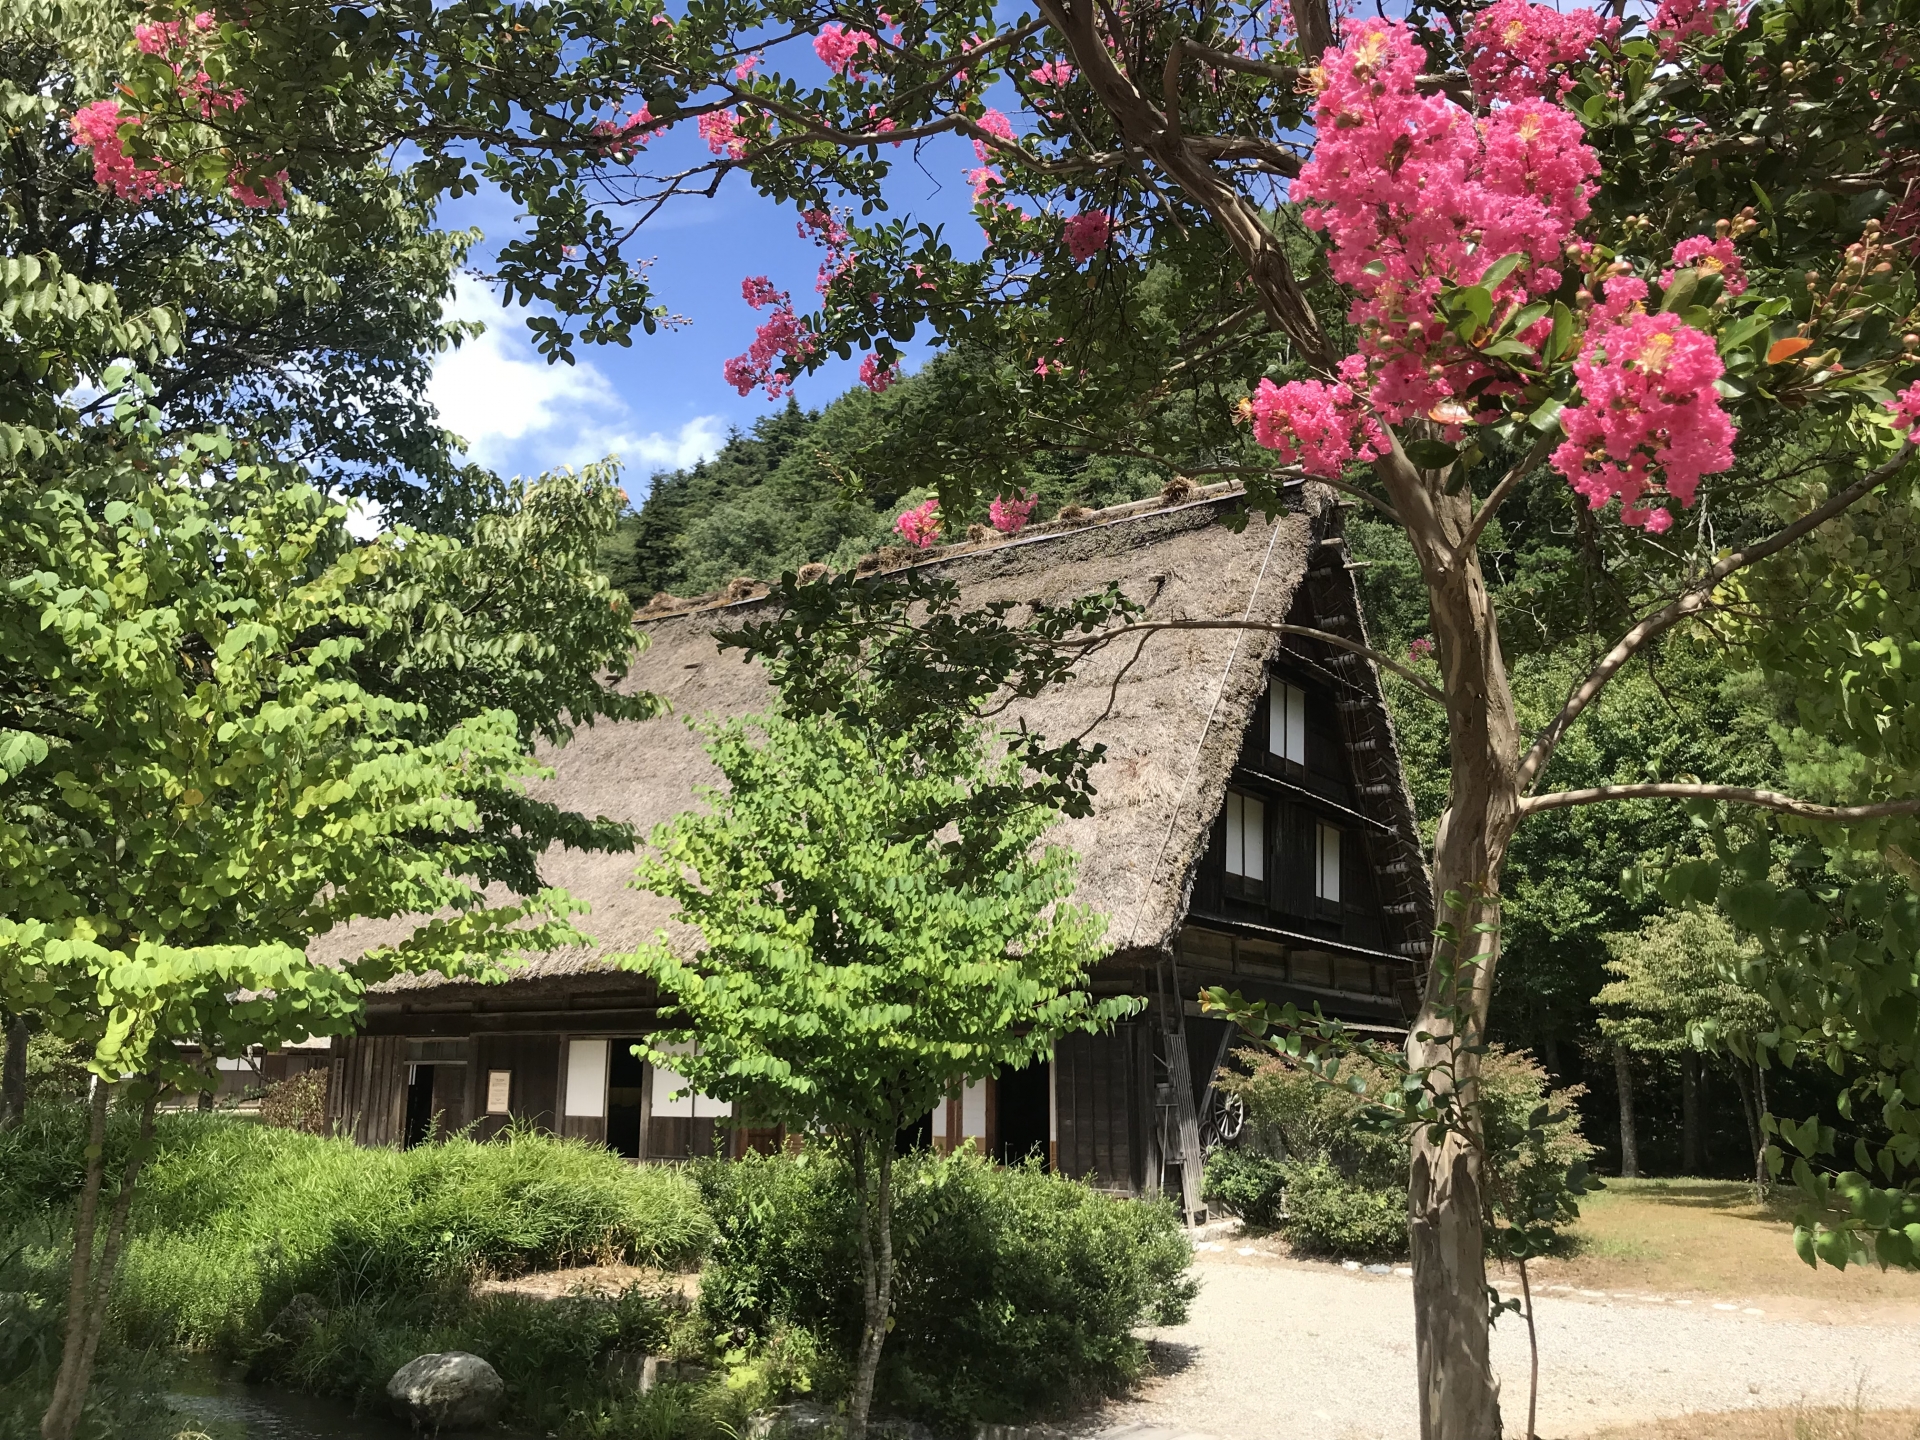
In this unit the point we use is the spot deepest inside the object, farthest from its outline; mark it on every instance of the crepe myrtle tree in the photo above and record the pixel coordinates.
(1662, 257)
(879, 918)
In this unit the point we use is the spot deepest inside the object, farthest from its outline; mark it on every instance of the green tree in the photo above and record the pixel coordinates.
(1677, 993)
(1138, 254)
(879, 918)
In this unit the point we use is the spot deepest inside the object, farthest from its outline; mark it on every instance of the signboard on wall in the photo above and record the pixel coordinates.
(499, 1088)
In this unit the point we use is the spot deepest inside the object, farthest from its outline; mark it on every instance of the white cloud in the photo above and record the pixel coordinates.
(518, 413)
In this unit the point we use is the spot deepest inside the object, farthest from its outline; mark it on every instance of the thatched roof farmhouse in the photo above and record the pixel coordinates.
(1252, 828)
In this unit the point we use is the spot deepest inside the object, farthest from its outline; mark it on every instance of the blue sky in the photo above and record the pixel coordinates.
(662, 403)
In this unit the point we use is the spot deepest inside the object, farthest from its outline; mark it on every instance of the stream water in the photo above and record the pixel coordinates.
(226, 1409)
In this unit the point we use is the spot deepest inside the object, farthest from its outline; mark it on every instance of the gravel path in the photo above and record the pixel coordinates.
(1283, 1350)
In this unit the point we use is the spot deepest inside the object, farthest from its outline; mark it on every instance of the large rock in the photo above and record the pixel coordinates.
(454, 1391)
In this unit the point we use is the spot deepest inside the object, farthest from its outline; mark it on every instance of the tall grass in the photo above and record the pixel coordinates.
(231, 1218)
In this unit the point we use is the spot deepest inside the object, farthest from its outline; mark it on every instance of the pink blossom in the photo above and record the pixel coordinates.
(745, 67)
(165, 36)
(1056, 73)
(717, 128)
(1421, 649)
(621, 138)
(1319, 427)
(1009, 515)
(1416, 196)
(1087, 234)
(97, 127)
(1650, 417)
(875, 376)
(782, 339)
(1677, 21)
(982, 179)
(275, 197)
(920, 526)
(1710, 257)
(1518, 51)
(995, 124)
(1906, 411)
(838, 47)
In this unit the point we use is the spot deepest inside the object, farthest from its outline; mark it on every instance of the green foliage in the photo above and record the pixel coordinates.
(1325, 1153)
(197, 782)
(858, 964)
(1330, 1214)
(1018, 1291)
(233, 1218)
(1250, 1184)
(1678, 986)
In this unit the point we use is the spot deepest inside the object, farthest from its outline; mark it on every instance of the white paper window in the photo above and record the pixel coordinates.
(1326, 882)
(1287, 722)
(973, 1109)
(1246, 836)
(587, 1078)
(672, 1099)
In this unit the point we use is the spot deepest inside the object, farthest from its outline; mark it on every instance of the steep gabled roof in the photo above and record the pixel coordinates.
(1171, 711)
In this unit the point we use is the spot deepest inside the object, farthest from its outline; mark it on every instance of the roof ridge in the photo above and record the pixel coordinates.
(746, 591)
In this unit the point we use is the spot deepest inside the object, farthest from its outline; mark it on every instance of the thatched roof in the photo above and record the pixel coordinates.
(1172, 725)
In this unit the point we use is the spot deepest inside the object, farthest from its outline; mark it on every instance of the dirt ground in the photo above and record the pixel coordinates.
(1797, 1422)
(1279, 1348)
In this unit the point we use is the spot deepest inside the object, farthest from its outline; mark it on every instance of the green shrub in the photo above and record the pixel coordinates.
(1248, 1183)
(234, 1218)
(1337, 1184)
(1015, 1289)
(1328, 1214)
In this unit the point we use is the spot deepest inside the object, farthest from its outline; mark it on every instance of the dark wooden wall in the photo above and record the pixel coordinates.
(535, 1094)
(367, 1089)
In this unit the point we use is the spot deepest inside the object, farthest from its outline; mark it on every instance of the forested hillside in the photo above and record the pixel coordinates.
(826, 484)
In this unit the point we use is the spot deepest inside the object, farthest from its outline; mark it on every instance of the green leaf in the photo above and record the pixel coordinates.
(1431, 454)
(1495, 273)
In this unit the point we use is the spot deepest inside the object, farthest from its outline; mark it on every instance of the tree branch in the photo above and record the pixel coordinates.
(1523, 468)
(1694, 600)
(1339, 642)
(1734, 794)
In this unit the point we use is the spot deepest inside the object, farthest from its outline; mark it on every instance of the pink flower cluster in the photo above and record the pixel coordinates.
(718, 128)
(165, 36)
(823, 227)
(995, 124)
(1649, 415)
(839, 47)
(1009, 515)
(1321, 428)
(1677, 21)
(1906, 411)
(97, 127)
(1419, 650)
(920, 526)
(621, 139)
(1056, 73)
(781, 338)
(1416, 196)
(1087, 234)
(1713, 257)
(875, 376)
(1517, 50)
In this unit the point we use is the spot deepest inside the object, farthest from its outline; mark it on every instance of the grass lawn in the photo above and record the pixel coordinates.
(1797, 1423)
(1708, 1237)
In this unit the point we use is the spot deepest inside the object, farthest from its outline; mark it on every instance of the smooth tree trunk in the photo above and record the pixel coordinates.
(1629, 1135)
(1754, 1104)
(90, 1285)
(13, 1077)
(1690, 1160)
(1446, 1201)
(875, 1218)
